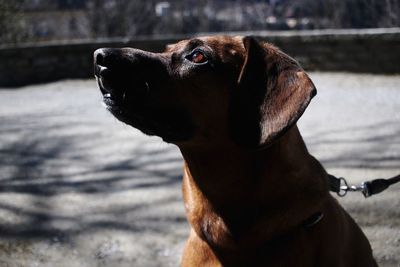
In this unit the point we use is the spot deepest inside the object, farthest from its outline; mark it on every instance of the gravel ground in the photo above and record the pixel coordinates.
(79, 188)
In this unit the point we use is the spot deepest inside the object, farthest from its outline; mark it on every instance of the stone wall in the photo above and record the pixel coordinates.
(371, 51)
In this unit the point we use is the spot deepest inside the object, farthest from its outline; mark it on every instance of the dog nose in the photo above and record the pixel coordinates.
(99, 56)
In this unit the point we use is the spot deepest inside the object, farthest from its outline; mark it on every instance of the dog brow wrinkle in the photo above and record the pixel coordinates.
(194, 43)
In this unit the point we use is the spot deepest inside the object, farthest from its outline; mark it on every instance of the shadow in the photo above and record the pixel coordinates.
(40, 225)
(358, 147)
(43, 159)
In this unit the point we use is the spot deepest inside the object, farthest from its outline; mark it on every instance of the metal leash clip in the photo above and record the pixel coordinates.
(344, 188)
(368, 188)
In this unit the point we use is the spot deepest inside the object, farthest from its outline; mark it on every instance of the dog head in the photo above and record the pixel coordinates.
(212, 90)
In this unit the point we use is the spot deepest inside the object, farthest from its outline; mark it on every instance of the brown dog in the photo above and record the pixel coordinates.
(253, 194)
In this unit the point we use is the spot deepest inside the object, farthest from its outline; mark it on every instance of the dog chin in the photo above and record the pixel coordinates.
(165, 124)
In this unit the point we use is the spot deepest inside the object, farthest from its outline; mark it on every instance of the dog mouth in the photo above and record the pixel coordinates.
(118, 92)
(137, 98)
(135, 108)
(129, 101)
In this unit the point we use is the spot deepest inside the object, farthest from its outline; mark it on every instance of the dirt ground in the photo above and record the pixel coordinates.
(79, 188)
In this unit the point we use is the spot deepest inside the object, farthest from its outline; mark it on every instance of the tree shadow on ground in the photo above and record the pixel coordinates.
(359, 146)
(46, 162)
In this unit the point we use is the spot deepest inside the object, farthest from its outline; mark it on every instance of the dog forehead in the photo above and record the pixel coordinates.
(176, 46)
(220, 44)
(231, 44)
(221, 40)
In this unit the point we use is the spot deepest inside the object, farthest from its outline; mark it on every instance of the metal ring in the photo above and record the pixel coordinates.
(343, 188)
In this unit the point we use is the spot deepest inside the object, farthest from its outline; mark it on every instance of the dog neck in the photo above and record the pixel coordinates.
(229, 192)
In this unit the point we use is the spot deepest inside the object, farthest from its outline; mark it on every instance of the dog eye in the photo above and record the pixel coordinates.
(197, 57)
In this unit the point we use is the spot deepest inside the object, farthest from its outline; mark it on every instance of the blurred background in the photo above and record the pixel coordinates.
(49, 20)
(79, 188)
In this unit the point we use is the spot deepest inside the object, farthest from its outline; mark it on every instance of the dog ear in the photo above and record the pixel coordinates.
(273, 92)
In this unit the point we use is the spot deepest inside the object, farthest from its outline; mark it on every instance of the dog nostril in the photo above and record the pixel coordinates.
(99, 56)
(99, 59)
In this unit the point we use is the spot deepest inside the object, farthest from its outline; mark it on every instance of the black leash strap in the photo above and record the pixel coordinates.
(369, 188)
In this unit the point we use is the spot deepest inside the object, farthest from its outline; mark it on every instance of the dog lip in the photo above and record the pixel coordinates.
(96, 70)
(116, 97)
(103, 90)
(102, 70)
(99, 70)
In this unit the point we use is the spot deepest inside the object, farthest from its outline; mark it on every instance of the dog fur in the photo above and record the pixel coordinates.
(251, 189)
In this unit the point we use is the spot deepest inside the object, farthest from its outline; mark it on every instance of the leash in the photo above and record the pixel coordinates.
(341, 187)
(369, 188)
